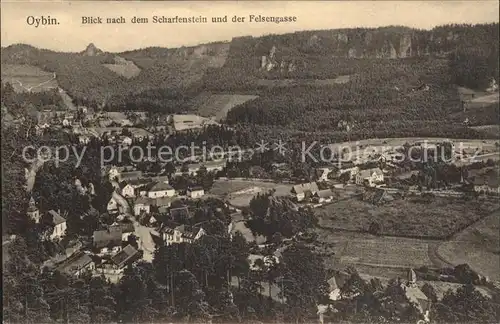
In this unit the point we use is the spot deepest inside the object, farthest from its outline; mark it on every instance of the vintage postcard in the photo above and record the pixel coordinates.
(250, 161)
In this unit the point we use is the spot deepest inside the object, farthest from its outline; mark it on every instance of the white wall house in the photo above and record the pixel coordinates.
(112, 205)
(59, 225)
(161, 190)
(141, 205)
(128, 191)
(181, 235)
(195, 192)
(370, 177)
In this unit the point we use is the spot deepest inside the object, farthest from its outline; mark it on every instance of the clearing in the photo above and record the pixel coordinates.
(28, 78)
(387, 257)
(436, 217)
(240, 192)
(218, 105)
(478, 245)
(124, 68)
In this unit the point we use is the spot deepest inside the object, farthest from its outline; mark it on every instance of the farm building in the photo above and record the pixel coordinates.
(302, 190)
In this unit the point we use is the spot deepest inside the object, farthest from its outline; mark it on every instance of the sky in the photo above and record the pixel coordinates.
(71, 36)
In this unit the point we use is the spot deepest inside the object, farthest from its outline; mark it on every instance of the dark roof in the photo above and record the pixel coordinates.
(186, 232)
(56, 218)
(124, 227)
(130, 175)
(75, 263)
(129, 253)
(324, 193)
(104, 238)
(195, 188)
(140, 182)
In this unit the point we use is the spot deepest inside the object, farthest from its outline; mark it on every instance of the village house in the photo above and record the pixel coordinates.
(59, 224)
(142, 205)
(323, 173)
(302, 190)
(161, 190)
(370, 177)
(193, 168)
(195, 192)
(160, 179)
(487, 182)
(335, 283)
(181, 235)
(125, 140)
(162, 203)
(112, 206)
(77, 264)
(323, 196)
(83, 139)
(108, 240)
(115, 171)
(127, 190)
(113, 268)
(346, 167)
(127, 229)
(130, 176)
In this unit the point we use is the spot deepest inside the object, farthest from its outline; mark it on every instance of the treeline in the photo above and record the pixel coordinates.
(18, 103)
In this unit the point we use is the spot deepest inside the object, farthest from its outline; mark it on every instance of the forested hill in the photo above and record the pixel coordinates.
(239, 63)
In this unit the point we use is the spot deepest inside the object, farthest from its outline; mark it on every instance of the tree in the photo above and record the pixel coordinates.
(305, 282)
(467, 304)
(430, 292)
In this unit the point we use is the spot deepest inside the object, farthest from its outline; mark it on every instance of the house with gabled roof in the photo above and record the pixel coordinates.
(181, 234)
(127, 190)
(370, 177)
(77, 264)
(323, 196)
(195, 192)
(142, 205)
(301, 190)
(160, 190)
(108, 240)
(59, 224)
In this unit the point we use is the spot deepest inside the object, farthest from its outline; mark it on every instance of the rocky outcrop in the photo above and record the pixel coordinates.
(92, 50)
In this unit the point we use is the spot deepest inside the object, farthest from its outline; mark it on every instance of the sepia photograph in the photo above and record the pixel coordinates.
(250, 162)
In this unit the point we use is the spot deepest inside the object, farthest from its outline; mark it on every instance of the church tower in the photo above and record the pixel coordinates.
(33, 211)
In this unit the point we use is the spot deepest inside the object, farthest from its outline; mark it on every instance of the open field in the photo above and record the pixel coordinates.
(387, 257)
(218, 105)
(415, 217)
(28, 78)
(478, 245)
(492, 130)
(240, 192)
(487, 99)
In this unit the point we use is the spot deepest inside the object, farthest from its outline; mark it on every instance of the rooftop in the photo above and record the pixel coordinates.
(56, 217)
(160, 186)
(127, 254)
(75, 263)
